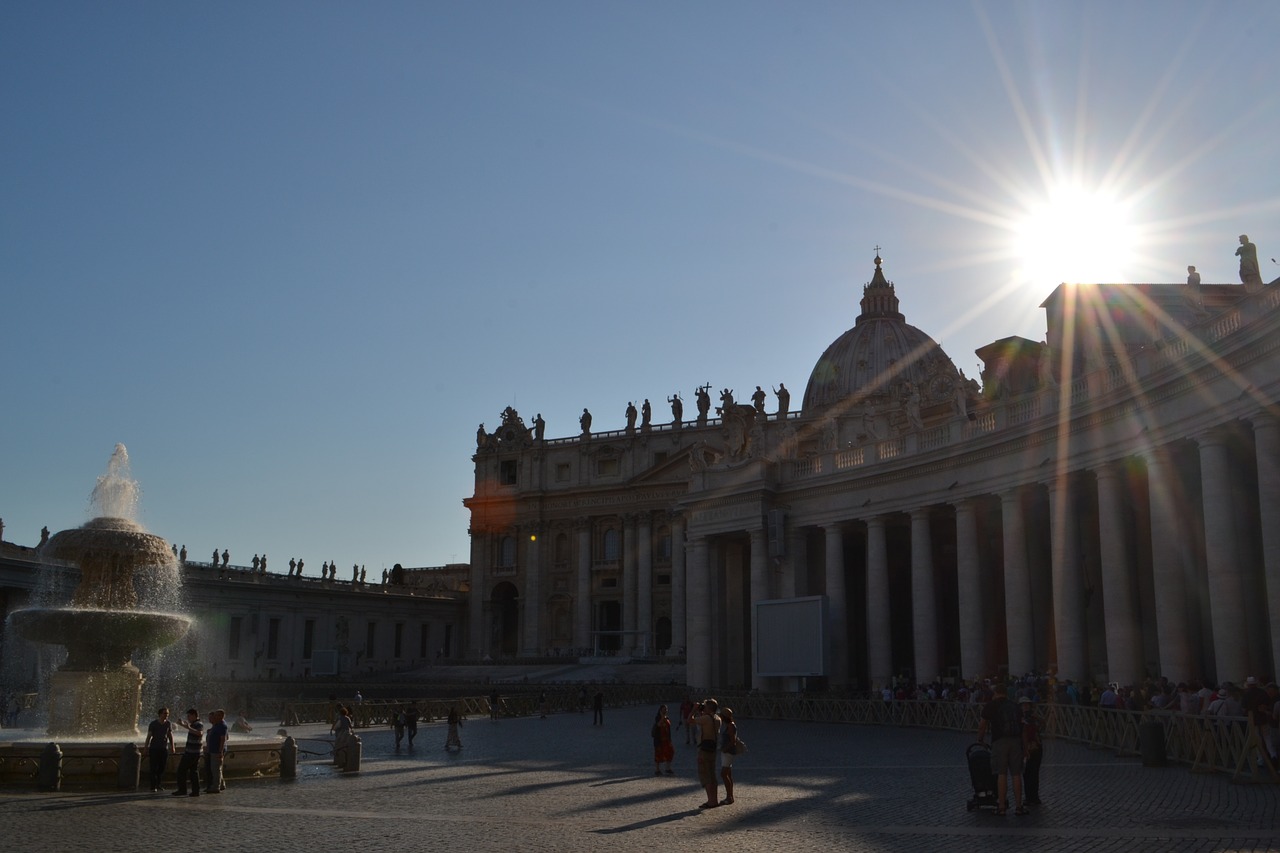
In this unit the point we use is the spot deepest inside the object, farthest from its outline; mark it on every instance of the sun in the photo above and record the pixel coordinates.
(1075, 234)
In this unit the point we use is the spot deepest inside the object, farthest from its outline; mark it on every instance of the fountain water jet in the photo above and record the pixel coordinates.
(98, 690)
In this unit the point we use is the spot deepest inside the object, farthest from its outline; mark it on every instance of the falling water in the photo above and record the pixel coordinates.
(127, 597)
(116, 493)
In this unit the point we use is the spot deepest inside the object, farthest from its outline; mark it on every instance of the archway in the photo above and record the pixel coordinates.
(662, 635)
(505, 612)
(609, 618)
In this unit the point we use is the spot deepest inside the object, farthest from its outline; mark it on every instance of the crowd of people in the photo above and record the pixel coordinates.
(1008, 715)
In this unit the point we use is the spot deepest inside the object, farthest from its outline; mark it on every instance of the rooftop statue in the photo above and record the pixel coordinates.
(1250, 274)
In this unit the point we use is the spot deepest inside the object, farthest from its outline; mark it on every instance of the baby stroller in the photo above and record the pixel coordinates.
(984, 781)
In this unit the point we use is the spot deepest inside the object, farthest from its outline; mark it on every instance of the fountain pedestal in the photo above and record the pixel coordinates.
(97, 704)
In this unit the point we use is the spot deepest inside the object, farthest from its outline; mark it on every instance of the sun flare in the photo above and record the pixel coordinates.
(1076, 235)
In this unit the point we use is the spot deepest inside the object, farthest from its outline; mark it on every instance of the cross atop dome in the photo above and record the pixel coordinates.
(878, 297)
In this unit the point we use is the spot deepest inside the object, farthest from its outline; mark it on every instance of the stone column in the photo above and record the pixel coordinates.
(1018, 617)
(1169, 569)
(759, 592)
(837, 608)
(479, 595)
(1222, 559)
(698, 616)
(582, 607)
(678, 612)
(1119, 600)
(1068, 582)
(924, 608)
(628, 583)
(797, 562)
(973, 646)
(532, 590)
(1266, 435)
(879, 636)
(644, 583)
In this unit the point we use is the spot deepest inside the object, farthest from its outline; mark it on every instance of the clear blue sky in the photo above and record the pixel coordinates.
(291, 253)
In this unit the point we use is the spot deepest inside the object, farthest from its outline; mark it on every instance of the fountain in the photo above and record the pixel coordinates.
(97, 692)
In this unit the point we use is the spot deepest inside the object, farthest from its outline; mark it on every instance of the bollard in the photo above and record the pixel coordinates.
(49, 776)
(289, 759)
(130, 770)
(351, 762)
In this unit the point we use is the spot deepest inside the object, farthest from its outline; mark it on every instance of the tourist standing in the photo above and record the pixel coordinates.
(686, 719)
(1003, 718)
(663, 749)
(215, 752)
(397, 722)
(159, 746)
(411, 716)
(708, 724)
(455, 722)
(493, 705)
(189, 764)
(597, 708)
(729, 745)
(1032, 752)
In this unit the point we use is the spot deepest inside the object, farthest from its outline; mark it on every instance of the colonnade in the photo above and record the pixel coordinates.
(1164, 562)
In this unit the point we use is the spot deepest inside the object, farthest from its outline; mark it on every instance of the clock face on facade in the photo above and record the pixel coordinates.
(942, 386)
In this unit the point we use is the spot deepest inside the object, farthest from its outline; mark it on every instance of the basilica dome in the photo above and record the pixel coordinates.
(885, 362)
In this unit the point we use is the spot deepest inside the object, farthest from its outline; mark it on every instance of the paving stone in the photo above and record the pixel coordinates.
(561, 784)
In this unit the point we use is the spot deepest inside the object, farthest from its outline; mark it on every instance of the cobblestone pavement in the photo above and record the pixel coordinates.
(561, 784)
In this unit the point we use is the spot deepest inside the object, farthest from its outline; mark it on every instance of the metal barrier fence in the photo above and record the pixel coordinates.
(1231, 745)
(373, 713)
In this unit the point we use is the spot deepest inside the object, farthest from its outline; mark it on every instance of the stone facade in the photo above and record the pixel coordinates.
(252, 625)
(1101, 506)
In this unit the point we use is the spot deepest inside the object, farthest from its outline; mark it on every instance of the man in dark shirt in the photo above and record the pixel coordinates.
(411, 716)
(215, 752)
(1004, 719)
(189, 764)
(159, 746)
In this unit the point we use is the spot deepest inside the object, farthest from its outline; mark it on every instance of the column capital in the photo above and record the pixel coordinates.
(1264, 419)
(1212, 437)
(1109, 470)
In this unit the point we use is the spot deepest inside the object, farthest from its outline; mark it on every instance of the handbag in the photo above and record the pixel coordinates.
(739, 747)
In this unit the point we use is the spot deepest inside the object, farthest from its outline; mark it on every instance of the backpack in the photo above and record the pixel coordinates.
(1006, 720)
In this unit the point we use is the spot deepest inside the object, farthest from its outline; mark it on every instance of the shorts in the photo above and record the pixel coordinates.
(1006, 756)
(707, 768)
(726, 759)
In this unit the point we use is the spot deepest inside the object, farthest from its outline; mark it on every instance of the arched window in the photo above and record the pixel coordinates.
(612, 549)
(507, 552)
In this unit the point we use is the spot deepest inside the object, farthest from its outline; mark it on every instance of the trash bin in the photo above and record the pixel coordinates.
(1151, 744)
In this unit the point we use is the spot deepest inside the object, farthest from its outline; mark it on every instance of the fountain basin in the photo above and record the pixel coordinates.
(105, 766)
(99, 640)
(98, 690)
